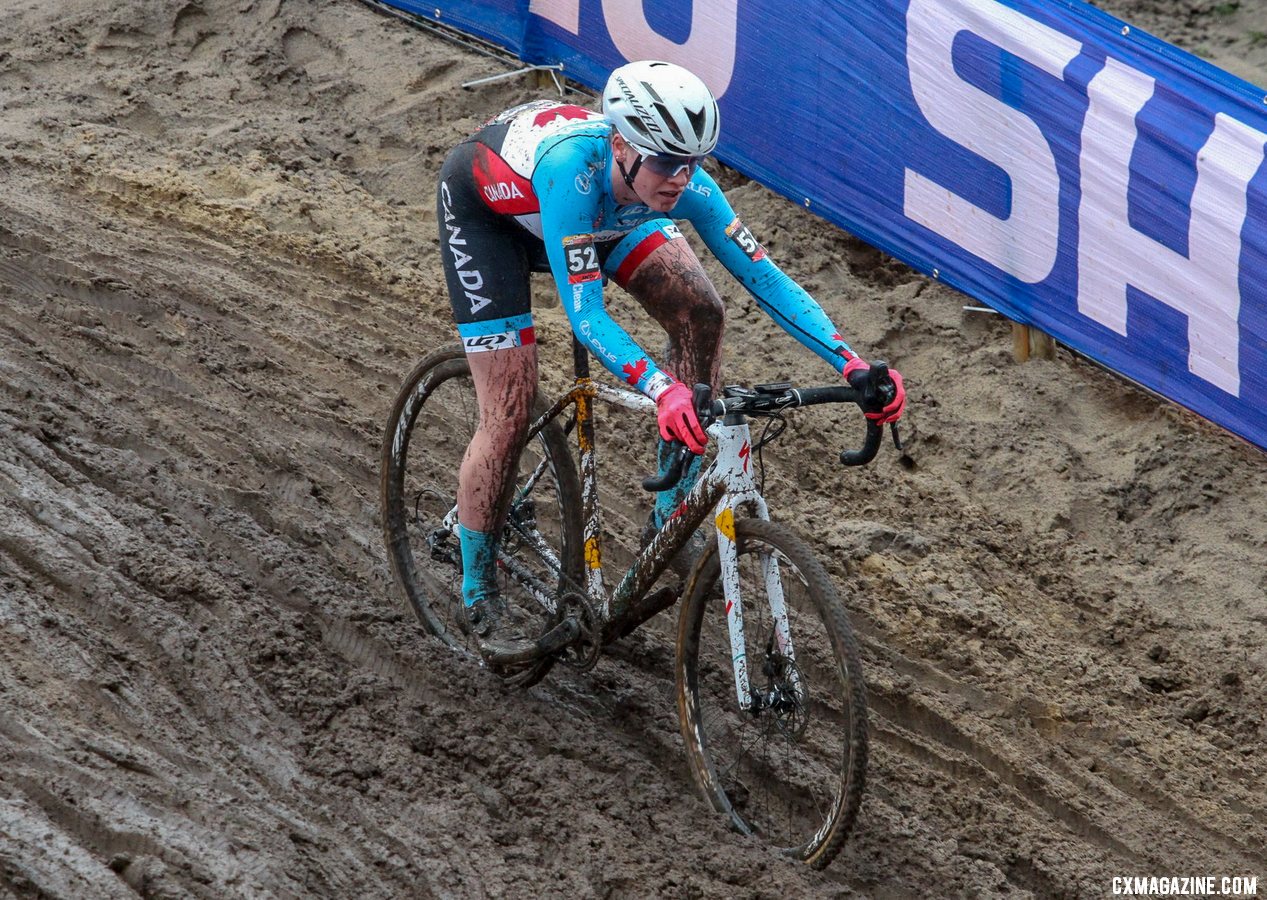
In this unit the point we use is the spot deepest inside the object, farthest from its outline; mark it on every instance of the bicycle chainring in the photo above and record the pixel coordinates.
(524, 675)
(582, 654)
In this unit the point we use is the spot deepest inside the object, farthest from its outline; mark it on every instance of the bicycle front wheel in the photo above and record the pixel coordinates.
(430, 426)
(789, 769)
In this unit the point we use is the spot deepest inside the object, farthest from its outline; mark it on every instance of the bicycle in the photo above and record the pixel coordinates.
(751, 700)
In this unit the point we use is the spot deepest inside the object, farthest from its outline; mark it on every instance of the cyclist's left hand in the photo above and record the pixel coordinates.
(856, 375)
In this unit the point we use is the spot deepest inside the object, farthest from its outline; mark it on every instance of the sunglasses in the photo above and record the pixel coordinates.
(667, 166)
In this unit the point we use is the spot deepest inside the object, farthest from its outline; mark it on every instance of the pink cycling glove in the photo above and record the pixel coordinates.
(893, 409)
(675, 412)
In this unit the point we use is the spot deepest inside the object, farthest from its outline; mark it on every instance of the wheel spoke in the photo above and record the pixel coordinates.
(433, 422)
(786, 768)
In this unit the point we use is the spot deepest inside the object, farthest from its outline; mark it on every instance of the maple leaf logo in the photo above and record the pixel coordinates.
(634, 373)
(549, 116)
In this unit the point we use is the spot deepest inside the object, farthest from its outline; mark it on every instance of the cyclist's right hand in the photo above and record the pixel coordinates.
(675, 412)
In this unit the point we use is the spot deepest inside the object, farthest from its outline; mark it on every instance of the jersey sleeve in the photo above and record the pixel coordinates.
(705, 206)
(567, 228)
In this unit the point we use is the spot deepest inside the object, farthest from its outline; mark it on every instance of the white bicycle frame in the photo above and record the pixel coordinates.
(729, 478)
(731, 473)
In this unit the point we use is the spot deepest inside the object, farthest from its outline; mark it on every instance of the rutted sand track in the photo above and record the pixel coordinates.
(216, 263)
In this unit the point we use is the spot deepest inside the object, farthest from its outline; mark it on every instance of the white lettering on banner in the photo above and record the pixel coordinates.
(564, 13)
(1113, 255)
(1025, 242)
(709, 51)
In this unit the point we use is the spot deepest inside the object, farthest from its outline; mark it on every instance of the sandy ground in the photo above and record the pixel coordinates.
(217, 262)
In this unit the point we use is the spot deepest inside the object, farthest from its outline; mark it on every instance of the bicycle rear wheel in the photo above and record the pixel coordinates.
(430, 426)
(791, 772)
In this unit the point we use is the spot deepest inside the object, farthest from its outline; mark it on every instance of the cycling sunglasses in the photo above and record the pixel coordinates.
(667, 166)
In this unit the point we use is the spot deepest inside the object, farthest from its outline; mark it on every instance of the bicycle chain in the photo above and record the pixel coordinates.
(582, 654)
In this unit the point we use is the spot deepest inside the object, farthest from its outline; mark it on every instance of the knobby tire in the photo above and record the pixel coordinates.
(825, 763)
(412, 464)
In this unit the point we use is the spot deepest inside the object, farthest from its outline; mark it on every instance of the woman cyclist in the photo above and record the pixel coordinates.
(589, 198)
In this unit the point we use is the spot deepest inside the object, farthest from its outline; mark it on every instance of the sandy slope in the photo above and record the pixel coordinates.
(216, 264)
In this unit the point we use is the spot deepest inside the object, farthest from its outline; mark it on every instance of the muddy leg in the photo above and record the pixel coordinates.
(505, 383)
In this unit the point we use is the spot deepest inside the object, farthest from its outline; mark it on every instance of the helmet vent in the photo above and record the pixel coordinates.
(662, 108)
(667, 118)
(699, 121)
(637, 125)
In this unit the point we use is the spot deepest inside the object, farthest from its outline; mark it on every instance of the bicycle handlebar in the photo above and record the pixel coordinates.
(768, 399)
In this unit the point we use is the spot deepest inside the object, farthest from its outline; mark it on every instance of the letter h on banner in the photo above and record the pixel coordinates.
(1113, 255)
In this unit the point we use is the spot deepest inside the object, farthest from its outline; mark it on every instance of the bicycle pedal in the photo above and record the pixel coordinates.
(516, 653)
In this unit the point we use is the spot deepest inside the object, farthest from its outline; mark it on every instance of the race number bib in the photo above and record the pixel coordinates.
(738, 232)
(582, 258)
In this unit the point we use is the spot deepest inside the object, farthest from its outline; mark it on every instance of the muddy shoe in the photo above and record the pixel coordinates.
(494, 626)
(682, 563)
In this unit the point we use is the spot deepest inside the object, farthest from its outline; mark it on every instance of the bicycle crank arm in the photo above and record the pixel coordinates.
(549, 643)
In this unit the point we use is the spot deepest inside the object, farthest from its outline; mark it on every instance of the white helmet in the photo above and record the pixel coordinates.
(661, 108)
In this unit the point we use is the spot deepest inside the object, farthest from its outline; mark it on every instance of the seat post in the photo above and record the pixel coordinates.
(580, 359)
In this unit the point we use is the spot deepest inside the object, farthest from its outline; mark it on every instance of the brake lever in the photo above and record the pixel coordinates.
(680, 455)
(878, 391)
(702, 398)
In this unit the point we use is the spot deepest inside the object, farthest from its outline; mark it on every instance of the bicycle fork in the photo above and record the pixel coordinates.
(733, 466)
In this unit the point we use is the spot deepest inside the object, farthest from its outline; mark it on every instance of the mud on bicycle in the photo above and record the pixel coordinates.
(771, 700)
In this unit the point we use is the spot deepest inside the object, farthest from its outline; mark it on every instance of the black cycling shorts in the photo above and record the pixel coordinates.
(487, 257)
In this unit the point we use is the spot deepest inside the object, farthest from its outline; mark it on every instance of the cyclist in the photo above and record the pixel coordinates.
(588, 198)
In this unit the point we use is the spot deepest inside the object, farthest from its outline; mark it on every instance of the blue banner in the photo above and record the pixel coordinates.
(1069, 170)
(501, 22)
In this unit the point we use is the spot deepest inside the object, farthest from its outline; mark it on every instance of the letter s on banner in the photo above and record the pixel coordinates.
(1113, 255)
(709, 52)
(1025, 243)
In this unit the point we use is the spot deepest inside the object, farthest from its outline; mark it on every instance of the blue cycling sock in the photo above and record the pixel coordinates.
(479, 557)
(667, 502)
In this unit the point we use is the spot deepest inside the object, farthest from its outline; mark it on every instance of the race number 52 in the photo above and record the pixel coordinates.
(582, 258)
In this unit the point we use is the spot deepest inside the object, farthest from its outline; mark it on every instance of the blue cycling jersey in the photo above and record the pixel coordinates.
(561, 157)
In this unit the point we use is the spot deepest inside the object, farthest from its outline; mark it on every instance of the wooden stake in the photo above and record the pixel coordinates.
(1030, 343)
(1041, 345)
(1020, 341)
